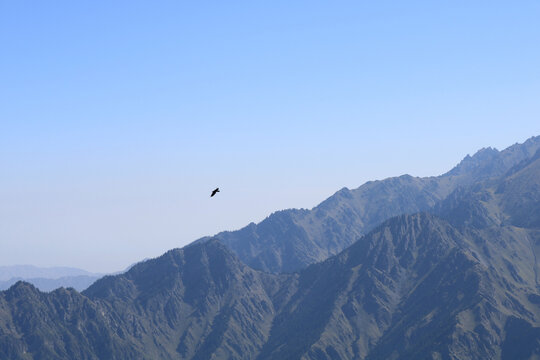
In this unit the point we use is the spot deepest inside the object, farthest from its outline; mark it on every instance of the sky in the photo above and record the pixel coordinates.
(117, 118)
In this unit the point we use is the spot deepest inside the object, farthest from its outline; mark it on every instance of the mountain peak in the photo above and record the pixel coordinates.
(481, 160)
(489, 162)
(21, 289)
(23, 286)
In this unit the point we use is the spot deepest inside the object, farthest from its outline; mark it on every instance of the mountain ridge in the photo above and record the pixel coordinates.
(458, 280)
(289, 240)
(30, 271)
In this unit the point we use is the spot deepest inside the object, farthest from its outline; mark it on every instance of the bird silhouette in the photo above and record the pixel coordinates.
(216, 190)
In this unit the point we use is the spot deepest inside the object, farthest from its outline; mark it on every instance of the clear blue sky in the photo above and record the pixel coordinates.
(117, 118)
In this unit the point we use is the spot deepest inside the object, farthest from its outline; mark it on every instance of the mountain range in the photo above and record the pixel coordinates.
(47, 278)
(30, 271)
(404, 268)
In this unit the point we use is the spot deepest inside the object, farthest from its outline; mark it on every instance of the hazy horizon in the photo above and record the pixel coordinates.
(117, 120)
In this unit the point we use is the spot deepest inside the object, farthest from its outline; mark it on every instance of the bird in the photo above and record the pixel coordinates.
(214, 192)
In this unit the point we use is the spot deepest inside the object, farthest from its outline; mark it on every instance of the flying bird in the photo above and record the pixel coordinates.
(216, 190)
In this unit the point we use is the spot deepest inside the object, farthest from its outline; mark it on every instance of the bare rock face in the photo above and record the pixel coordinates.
(447, 269)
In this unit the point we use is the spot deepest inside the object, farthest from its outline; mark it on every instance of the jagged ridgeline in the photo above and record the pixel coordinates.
(290, 240)
(405, 268)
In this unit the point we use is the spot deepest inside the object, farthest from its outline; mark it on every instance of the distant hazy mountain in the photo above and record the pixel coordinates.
(458, 280)
(47, 278)
(30, 271)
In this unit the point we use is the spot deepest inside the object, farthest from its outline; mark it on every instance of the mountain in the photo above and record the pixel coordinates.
(458, 280)
(47, 278)
(290, 240)
(460, 285)
(188, 303)
(30, 271)
(390, 281)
